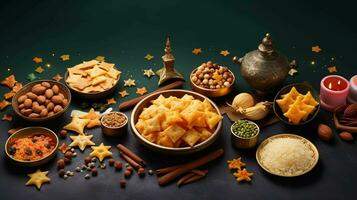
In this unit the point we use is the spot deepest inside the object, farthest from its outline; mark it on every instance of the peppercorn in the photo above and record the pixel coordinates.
(68, 155)
(130, 168)
(61, 173)
(122, 183)
(118, 165)
(141, 172)
(63, 133)
(127, 173)
(94, 171)
(111, 162)
(60, 164)
(87, 160)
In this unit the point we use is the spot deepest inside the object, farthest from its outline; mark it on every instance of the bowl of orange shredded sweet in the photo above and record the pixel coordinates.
(31, 146)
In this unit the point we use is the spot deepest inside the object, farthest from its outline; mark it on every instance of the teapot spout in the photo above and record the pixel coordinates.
(237, 60)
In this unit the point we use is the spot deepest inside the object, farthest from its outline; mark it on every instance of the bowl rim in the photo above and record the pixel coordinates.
(249, 121)
(21, 91)
(121, 113)
(54, 150)
(310, 118)
(322, 84)
(209, 89)
(183, 149)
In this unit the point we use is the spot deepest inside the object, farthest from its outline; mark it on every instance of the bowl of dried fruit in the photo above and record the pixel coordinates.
(31, 146)
(212, 80)
(92, 79)
(345, 117)
(41, 100)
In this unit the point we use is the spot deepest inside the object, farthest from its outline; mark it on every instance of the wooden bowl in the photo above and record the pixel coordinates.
(92, 95)
(28, 132)
(146, 102)
(302, 88)
(63, 89)
(212, 92)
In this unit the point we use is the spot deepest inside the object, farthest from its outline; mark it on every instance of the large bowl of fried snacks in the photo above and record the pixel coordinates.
(31, 146)
(176, 122)
(92, 79)
(296, 104)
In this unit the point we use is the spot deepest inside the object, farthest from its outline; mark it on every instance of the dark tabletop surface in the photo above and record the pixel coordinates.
(125, 31)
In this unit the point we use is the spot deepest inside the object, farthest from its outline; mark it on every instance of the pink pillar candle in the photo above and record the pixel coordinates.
(352, 98)
(333, 92)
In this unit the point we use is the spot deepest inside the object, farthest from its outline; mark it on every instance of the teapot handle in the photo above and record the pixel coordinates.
(237, 60)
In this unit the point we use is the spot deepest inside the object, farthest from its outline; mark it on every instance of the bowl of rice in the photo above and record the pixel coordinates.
(287, 155)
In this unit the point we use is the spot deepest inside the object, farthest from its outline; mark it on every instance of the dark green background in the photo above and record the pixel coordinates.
(125, 31)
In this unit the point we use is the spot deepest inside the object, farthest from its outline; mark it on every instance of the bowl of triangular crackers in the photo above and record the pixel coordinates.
(92, 79)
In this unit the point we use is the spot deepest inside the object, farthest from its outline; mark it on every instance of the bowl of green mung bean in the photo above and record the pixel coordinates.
(244, 134)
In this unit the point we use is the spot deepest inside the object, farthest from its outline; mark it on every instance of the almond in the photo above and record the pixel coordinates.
(324, 132)
(351, 110)
(346, 136)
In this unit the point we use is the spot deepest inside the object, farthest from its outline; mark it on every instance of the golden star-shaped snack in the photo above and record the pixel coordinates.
(10, 94)
(149, 57)
(316, 49)
(64, 57)
(81, 141)
(38, 178)
(9, 81)
(4, 104)
(7, 117)
(129, 82)
(93, 117)
(332, 69)
(292, 71)
(123, 93)
(39, 70)
(243, 175)
(224, 53)
(100, 58)
(149, 73)
(57, 77)
(17, 87)
(37, 59)
(141, 91)
(235, 164)
(101, 152)
(111, 101)
(64, 148)
(197, 51)
(77, 124)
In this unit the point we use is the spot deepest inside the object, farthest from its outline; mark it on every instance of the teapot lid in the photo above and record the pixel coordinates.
(266, 47)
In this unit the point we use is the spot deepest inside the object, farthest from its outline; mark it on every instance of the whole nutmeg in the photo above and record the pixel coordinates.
(61, 173)
(127, 173)
(87, 160)
(118, 165)
(94, 171)
(68, 155)
(63, 133)
(141, 172)
(324, 132)
(346, 136)
(60, 164)
(111, 162)
(67, 161)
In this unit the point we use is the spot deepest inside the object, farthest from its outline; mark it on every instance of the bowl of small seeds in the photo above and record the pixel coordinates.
(244, 134)
(114, 123)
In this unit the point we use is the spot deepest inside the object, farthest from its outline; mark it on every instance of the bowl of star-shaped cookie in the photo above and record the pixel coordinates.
(92, 79)
(296, 104)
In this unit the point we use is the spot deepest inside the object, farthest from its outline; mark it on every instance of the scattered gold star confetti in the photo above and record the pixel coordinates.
(4, 104)
(292, 71)
(39, 70)
(148, 56)
(243, 175)
(9, 81)
(316, 49)
(141, 91)
(123, 93)
(130, 82)
(111, 101)
(38, 178)
(197, 51)
(149, 73)
(100, 58)
(37, 59)
(64, 57)
(224, 53)
(57, 77)
(82, 141)
(332, 69)
(48, 65)
(235, 164)
(101, 152)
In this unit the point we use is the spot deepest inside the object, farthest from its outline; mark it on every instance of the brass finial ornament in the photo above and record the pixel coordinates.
(168, 72)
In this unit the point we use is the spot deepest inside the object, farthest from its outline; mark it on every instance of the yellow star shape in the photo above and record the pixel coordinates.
(101, 152)
(149, 57)
(64, 57)
(100, 58)
(224, 53)
(149, 73)
(243, 175)
(37, 59)
(57, 77)
(39, 70)
(94, 118)
(81, 141)
(38, 178)
(332, 69)
(111, 101)
(197, 51)
(292, 71)
(77, 124)
(130, 82)
(316, 49)
(123, 93)
(141, 91)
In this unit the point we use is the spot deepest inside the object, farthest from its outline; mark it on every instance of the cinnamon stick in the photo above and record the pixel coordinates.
(184, 178)
(130, 161)
(190, 166)
(194, 172)
(199, 172)
(131, 103)
(131, 154)
(192, 179)
(166, 170)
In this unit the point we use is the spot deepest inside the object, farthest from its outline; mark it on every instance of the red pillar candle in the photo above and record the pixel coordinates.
(333, 91)
(352, 98)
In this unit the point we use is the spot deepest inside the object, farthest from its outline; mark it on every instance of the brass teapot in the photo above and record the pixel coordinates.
(264, 69)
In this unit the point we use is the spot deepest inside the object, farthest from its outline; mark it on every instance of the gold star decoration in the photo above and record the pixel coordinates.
(197, 51)
(292, 71)
(65, 57)
(111, 101)
(149, 73)
(4, 104)
(93, 117)
(38, 178)
(64, 148)
(57, 77)
(123, 93)
(316, 49)
(37, 59)
(101, 152)
(100, 58)
(332, 69)
(17, 87)
(77, 124)
(224, 53)
(82, 141)
(39, 70)
(129, 82)
(9, 81)
(243, 175)
(235, 163)
(141, 91)
(149, 57)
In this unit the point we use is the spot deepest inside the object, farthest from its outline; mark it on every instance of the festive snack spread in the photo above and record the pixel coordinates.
(178, 122)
